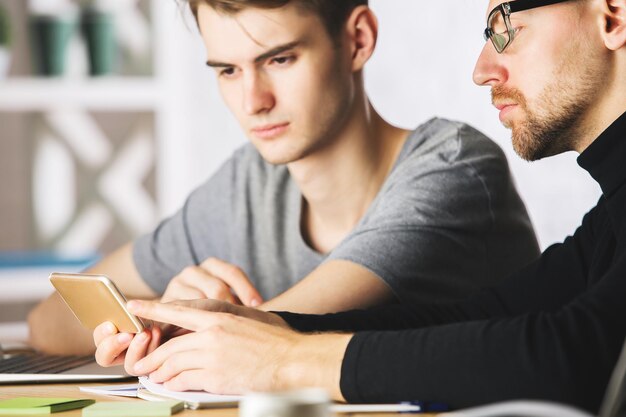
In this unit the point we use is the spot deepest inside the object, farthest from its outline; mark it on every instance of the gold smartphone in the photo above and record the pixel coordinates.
(95, 299)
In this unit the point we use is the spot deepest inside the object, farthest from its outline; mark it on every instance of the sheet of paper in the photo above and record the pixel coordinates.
(193, 399)
(129, 390)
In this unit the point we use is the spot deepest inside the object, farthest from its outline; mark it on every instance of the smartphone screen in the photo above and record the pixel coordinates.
(95, 299)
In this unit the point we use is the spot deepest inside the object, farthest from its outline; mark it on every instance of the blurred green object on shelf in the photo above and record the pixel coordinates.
(99, 33)
(5, 40)
(5, 28)
(50, 37)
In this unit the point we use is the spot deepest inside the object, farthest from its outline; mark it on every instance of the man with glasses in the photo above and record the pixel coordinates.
(551, 331)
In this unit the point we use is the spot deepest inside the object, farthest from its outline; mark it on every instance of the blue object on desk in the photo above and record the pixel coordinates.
(428, 407)
(45, 259)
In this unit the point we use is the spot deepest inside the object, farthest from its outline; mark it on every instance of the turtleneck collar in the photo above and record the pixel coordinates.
(605, 158)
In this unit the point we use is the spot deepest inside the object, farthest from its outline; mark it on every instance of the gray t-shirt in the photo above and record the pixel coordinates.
(446, 221)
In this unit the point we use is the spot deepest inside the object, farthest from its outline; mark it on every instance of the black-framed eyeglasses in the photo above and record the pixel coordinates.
(499, 28)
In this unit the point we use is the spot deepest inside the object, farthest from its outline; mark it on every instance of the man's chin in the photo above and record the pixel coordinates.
(524, 153)
(278, 158)
(525, 145)
(531, 148)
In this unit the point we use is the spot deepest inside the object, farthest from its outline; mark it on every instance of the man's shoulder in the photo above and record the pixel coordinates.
(451, 140)
(451, 153)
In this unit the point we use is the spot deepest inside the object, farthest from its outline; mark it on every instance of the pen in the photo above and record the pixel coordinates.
(376, 408)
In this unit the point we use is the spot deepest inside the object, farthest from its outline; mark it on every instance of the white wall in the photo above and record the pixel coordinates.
(422, 68)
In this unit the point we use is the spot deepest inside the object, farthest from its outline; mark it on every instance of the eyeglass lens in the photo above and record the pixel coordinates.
(500, 36)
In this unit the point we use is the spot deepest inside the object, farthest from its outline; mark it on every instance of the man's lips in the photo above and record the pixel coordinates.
(504, 109)
(501, 106)
(270, 131)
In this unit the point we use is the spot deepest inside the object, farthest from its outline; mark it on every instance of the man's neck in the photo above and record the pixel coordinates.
(340, 181)
(609, 108)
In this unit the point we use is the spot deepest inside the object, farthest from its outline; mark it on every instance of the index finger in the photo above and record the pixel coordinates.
(176, 314)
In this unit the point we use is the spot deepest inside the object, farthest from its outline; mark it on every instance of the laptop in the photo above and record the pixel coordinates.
(23, 366)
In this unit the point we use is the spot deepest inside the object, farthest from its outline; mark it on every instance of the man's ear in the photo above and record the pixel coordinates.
(614, 34)
(362, 34)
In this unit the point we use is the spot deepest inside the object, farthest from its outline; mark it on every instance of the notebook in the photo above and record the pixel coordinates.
(32, 367)
(194, 400)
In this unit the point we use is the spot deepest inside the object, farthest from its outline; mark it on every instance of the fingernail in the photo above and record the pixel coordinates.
(255, 302)
(109, 328)
(124, 337)
(133, 305)
(138, 367)
(142, 337)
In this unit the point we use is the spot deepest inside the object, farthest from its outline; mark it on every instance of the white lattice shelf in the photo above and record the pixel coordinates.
(42, 94)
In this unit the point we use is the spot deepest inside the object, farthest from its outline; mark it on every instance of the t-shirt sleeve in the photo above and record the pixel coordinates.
(427, 233)
(194, 233)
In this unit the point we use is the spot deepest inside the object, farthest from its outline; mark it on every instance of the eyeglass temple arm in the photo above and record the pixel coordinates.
(521, 5)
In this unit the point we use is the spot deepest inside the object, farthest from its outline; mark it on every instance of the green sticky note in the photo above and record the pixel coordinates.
(133, 408)
(37, 405)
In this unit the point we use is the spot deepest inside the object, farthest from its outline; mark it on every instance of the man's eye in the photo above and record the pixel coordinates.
(281, 60)
(227, 72)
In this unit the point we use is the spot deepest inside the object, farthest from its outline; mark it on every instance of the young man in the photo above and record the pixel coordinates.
(554, 330)
(330, 207)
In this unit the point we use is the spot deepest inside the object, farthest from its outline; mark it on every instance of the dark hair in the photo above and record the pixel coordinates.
(333, 13)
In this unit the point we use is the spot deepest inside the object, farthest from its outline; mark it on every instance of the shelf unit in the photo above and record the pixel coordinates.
(86, 98)
(158, 94)
(106, 94)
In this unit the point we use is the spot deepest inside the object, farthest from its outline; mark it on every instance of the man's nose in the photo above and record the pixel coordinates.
(258, 96)
(489, 69)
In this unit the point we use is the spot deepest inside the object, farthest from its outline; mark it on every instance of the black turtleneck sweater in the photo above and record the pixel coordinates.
(552, 331)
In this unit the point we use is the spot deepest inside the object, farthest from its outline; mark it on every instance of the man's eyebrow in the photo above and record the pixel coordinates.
(272, 52)
(276, 51)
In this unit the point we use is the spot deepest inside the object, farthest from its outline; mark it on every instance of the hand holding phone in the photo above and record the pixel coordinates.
(95, 299)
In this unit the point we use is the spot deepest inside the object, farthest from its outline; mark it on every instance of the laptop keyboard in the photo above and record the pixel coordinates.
(38, 363)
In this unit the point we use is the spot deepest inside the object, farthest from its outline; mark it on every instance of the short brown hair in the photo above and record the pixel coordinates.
(333, 13)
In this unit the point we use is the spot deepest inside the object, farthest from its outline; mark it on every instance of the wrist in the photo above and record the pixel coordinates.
(277, 320)
(314, 360)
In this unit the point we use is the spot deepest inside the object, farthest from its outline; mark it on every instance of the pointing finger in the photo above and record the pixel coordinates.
(176, 314)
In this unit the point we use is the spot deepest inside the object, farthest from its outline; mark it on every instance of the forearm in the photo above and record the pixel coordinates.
(541, 285)
(396, 317)
(333, 286)
(53, 329)
(119, 266)
(564, 356)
